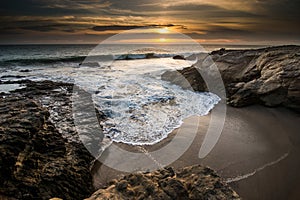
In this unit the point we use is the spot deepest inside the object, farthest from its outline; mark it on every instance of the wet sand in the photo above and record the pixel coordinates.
(257, 153)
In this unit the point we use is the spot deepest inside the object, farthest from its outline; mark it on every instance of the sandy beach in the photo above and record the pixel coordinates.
(256, 153)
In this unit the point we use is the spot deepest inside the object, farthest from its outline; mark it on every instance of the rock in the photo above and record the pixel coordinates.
(36, 160)
(25, 70)
(178, 57)
(268, 76)
(194, 182)
(12, 76)
(187, 78)
(122, 185)
(150, 56)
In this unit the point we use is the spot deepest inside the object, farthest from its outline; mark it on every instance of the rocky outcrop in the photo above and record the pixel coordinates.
(195, 182)
(269, 76)
(36, 160)
(178, 57)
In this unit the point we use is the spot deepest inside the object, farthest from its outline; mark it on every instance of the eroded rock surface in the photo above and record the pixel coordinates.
(195, 182)
(269, 76)
(36, 160)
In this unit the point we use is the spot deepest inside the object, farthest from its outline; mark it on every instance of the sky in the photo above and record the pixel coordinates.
(206, 21)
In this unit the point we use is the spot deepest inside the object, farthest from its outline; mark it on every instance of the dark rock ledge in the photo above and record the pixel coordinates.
(268, 76)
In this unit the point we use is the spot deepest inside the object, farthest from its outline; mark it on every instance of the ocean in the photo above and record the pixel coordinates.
(124, 81)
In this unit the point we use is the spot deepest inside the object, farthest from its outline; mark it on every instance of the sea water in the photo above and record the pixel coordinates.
(126, 86)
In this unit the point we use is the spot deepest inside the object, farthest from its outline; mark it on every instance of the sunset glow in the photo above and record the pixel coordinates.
(163, 30)
(93, 21)
(162, 39)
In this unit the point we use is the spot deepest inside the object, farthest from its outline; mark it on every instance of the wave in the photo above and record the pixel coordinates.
(85, 59)
(49, 60)
(142, 56)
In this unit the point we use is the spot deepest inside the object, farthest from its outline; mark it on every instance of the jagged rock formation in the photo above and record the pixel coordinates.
(36, 161)
(269, 76)
(194, 183)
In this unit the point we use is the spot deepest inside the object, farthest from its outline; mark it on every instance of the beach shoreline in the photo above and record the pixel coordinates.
(257, 142)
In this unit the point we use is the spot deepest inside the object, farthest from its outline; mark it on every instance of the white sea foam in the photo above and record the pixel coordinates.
(140, 107)
(6, 88)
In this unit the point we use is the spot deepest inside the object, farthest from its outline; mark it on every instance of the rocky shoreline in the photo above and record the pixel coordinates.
(268, 76)
(42, 156)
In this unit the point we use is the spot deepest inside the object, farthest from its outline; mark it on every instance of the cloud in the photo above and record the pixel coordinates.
(124, 27)
(281, 10)
(225, 31)
(51, 7)
(51, 27)
(245, 19)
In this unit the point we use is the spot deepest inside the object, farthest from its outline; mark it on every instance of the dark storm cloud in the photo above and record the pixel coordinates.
(16, 7)
(278, 9)
(38, 25)
(123, 27)
(254, 36)
(134, 5)
(214, 31)
(49, 7)
(206, 10)
(190, 10)
(52, 27)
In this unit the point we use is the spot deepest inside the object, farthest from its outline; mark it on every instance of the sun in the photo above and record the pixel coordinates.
(162, 39)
